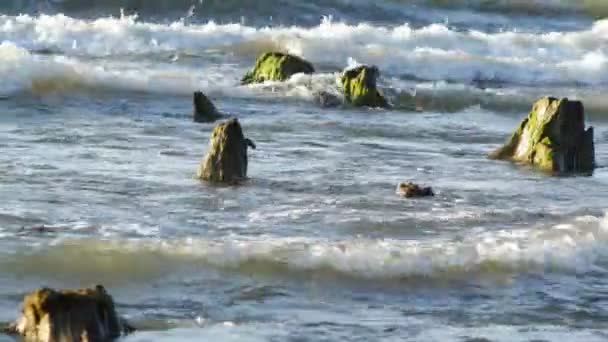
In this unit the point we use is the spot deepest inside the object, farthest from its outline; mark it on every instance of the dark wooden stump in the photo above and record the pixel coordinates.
(204, 110)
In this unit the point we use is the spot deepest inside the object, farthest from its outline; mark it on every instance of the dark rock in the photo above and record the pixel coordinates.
(552, 138)
(42, 229)
(226, 159)
(410, 190)
(204, 110)
(326, 99)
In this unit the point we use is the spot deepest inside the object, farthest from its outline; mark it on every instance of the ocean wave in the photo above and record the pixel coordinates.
(596, 8)
(578, 246)
(433, 53)
(25, 72)
(428, 69)
(22, 71)
(591, 7)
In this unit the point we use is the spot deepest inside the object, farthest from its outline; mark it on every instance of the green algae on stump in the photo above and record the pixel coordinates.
(69, 315)
(226, 160)
(552, 138)
(359, 86)
(276, 66)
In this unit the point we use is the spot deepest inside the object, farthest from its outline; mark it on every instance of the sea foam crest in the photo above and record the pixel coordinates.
(434, 52)
(576, 247)
(22, 71)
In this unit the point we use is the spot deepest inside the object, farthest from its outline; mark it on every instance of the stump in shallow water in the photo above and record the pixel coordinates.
(204, 110)
(86, 315)
(360, 88)
(226, 160)
(552, 138)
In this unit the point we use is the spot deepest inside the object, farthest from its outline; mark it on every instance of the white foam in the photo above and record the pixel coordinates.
(21, 71)
(577, 247)
(24, 71)
(435, 52)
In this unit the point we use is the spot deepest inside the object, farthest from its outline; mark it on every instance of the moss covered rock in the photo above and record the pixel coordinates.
(276, 66)
(552, 138)
(69, 315)
(359, 86)
(226, 160)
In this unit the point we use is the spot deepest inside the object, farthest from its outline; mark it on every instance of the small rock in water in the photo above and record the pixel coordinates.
(326, 99)
(69, 315)
(41, 229)
(204, 110)
(410, 190)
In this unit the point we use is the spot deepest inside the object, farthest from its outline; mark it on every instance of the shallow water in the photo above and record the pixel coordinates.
(98, 147)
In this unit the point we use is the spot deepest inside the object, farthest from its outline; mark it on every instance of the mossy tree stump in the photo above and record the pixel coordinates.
(203, 109)
(226, 160)
(552, 138)
(69, 315)
(276, 66)
(360, 87)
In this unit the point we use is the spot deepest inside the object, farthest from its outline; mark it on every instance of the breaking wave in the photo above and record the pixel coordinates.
(432, 53)
(577, 247)
(592, 7)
